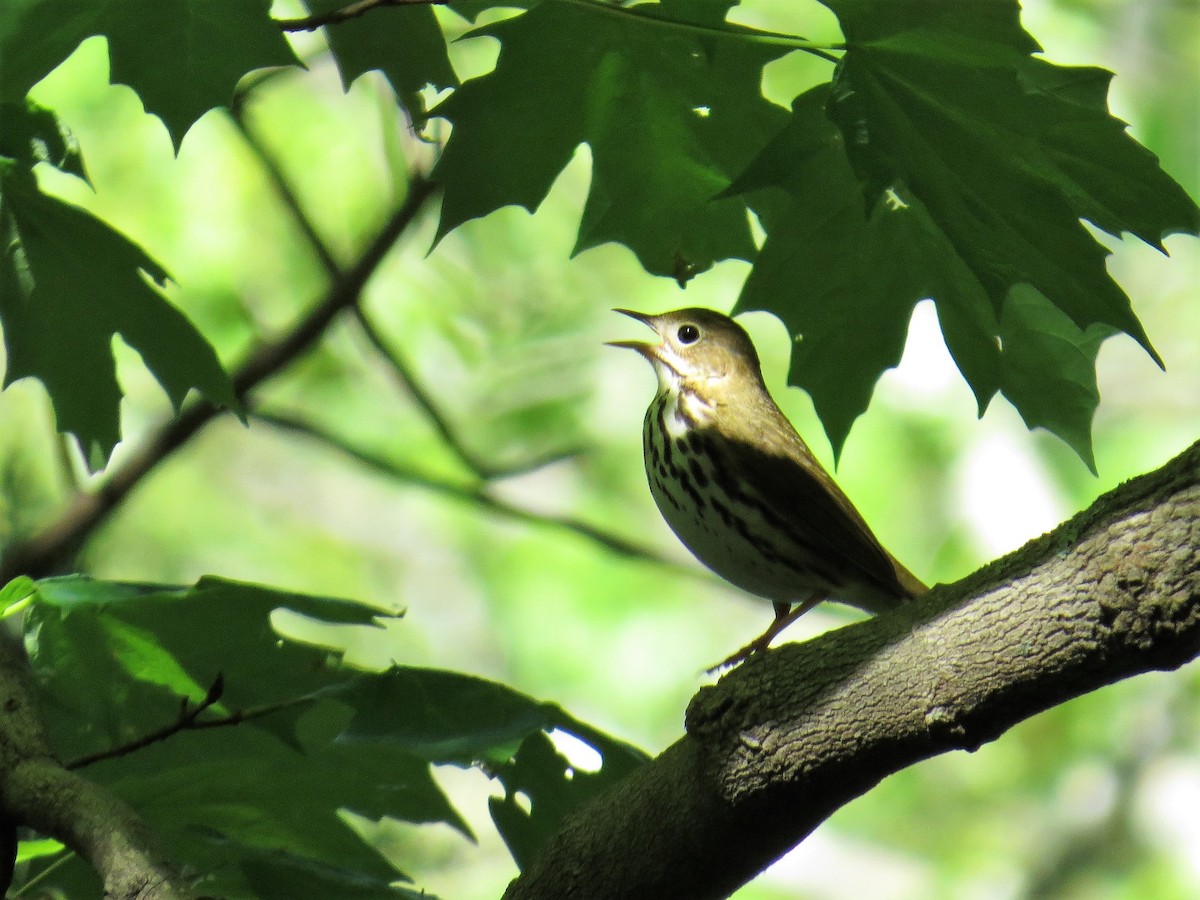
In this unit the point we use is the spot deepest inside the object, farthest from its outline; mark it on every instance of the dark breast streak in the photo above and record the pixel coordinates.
(709, 509)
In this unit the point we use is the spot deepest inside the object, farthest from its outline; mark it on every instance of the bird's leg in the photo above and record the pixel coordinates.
(785, 615)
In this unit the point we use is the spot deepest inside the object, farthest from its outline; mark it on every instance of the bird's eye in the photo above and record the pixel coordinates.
(688, 334)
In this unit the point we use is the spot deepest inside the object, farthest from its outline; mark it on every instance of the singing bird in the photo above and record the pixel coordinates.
(742, 490)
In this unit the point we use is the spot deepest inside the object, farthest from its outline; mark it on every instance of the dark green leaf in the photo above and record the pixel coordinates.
(844, 284)
(959, 171)
(231, 800)
(403, 42)
(183, 57)
(550, 786)
(30, 134)
(1049, 368)
(114, 660)
(37, 35)
(1005, 153)
(670, 113)
(68, 284)
(442, 716)
(218, 797)
(279, 875)
(122, 656)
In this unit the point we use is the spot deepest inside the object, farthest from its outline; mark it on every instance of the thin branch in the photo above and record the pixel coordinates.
(413, 387)
(48, 549)
(478, 495)
(238, 716)
(342, 294)
(350, 11)
(187, 719)
(285, 192)
(408, 381)
(33, 883)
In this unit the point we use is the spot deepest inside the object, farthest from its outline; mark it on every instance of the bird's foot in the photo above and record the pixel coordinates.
(785, 615)
(758, 645)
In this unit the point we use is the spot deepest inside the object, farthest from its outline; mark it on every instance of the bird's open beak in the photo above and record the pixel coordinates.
(648, 350)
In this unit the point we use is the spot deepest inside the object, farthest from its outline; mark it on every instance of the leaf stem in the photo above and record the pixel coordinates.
(24, 889)
(727, 30)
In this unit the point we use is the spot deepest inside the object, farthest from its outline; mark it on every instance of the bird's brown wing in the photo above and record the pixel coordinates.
(776, 465)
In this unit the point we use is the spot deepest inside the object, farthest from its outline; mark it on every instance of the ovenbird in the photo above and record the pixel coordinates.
(742, 490)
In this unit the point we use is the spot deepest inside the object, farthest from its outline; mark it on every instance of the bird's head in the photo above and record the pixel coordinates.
(697, 348)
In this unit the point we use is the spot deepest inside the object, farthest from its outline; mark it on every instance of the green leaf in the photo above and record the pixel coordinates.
(35, 849)
(16, 595)
(68, 284)
(122, 656)
(279, 875)
(442, 716)
(955, 171)
(1006, 154)
(233, 801)
(842, 283)
(30, 134)
(218, 798)
(114, 660)
(405, 43)
(550, 786)
(182, 57)
(1049, 368)
(37, 35)
(671, 113)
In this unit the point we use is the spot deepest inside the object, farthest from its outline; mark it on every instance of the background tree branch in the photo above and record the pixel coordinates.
(47, 550)
(783, 741)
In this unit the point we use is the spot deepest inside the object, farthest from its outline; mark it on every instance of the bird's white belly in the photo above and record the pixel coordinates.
(726, 533)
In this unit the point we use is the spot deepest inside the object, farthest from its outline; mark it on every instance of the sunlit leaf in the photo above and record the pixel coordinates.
(671, 114)
(405, 43)
(183, 57)
(69, 283)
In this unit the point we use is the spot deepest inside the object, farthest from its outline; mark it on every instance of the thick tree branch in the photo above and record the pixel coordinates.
(789, 737)
(37, 791)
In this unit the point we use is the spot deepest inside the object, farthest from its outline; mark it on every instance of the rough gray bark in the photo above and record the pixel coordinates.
(35, 790)
(789, 737)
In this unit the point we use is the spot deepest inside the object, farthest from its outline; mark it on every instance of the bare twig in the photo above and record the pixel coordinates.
(349, 11)
(286, 193)
(477, 493)
(187, 718)
(48, 549)
(408, 380)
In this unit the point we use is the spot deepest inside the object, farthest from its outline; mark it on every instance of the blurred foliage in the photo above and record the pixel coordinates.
(501, 335)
